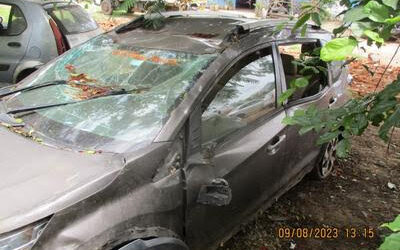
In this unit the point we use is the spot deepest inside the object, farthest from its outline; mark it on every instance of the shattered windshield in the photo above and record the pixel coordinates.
(160, 78)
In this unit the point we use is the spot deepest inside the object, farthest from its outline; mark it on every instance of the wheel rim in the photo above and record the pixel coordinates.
(106, 7)
(328, 159)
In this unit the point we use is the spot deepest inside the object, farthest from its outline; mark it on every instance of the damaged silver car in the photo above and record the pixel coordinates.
(167, 139)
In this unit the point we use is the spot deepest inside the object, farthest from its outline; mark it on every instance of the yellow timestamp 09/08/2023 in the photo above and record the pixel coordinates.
(326, 232)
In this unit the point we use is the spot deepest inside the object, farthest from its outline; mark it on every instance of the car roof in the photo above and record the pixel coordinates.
(196, 32)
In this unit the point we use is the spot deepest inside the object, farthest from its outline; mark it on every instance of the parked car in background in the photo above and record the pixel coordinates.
(165, 139)
(32, 32)
(108, 6)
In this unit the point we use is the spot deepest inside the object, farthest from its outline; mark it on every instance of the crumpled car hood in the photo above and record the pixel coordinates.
(37, 180)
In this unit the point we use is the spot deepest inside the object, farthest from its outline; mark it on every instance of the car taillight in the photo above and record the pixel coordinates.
(61, 48)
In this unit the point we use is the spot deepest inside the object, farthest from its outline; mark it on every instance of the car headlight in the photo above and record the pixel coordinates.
(23, 238)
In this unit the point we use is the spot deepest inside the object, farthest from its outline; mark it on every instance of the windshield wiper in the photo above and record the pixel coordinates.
(29, 88)
(43, 85)
(110, 93)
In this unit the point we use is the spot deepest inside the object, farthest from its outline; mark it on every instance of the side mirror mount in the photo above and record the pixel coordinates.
(218, 193)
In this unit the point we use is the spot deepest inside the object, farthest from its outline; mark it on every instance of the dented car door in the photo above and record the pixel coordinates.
(241, 163)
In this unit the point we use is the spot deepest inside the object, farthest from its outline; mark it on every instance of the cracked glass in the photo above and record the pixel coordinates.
(116, 121)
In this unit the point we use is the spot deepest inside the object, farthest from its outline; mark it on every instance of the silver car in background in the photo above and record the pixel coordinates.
(32, 32)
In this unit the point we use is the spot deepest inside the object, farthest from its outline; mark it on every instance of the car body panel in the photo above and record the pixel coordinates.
(11, 56)
(77, 39)
(245, 160)
(133, 206)
(53, 180)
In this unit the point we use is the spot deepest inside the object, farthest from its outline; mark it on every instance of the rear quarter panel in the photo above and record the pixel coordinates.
(42, 46)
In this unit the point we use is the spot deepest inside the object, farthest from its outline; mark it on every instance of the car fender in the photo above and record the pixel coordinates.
(133, 206)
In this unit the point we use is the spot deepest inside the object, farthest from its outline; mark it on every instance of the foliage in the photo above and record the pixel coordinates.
(392, 242)
(380, 109)
(338, 49)
(153, 19)
(127, 5)
(310, 64)
(375, 21)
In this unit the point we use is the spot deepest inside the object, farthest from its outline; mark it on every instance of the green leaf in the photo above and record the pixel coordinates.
(374, 36)
(288, 121)
(305, 129)
(280, 27)
(394, 225)
(343, 148)
(392, 242)
(376, 11)
(358, 27)
(359, 123)
(303, 30)
(316, 18)
(381, 106)
(285, 95)
(391, 3)
(393, 20)
(392, 121)
(386, 31)
(300, 82)
(338, 49)
(339, 30)
(327, 137)
(301, 21)
(354, 14)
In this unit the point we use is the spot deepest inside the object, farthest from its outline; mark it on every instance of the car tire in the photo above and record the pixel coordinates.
(25, 73)
(326, 162)
(106, 7)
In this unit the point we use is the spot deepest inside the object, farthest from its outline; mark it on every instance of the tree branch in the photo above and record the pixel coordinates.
(387, 66)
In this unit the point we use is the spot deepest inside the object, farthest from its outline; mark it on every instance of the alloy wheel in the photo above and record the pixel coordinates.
(328, 159)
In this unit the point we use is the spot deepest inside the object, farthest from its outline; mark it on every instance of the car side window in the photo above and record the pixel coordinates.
(12, 19)
(246, 93)
(289, 54)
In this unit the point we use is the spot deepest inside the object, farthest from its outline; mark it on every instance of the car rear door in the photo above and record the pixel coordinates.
(14, 38)
(74, 22)
(242, 161)
(303, 149)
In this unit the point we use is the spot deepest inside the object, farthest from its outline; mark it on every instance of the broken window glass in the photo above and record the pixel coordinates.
(247, 96)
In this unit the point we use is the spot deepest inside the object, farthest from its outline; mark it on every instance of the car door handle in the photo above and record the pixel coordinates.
(14, 44)
(332, 101)
(273, 147)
